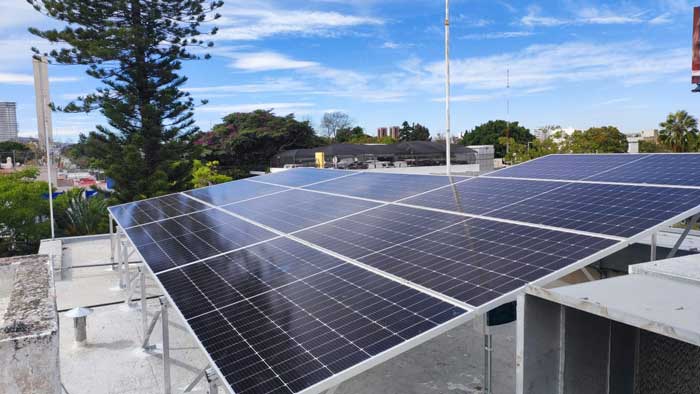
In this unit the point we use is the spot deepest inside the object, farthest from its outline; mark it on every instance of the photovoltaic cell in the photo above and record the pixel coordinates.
(619, 210)
(301, 176)
(384, 187)
(567, 167)
(380, 228)
(481, 195)
(292, 337)
(660, 169)
(147, 211)
(182, 240)
(471, 260)
(297, 209)
(231, 192)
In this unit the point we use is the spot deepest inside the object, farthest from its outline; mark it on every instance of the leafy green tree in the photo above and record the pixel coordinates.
(347, 134)
(413, 132)
(490, 132)
(246, 141)
(652, 147)
(136, 49)
(334, 121)
(78, 215)
(607, 139)
(206, 174)
(9, 146)
(543, 147)
(23, 213)
(679, 131)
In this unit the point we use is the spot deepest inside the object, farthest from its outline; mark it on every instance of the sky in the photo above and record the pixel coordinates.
(571, 63)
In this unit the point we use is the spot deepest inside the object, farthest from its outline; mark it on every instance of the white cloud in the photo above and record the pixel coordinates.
(280, 85)
(16, 13)
(28, 79)
(585, 16)
(497, 35)
(261, 22)
(395, 45)
(661, 19)
(278, 108)
(548, 65)
(266, 61)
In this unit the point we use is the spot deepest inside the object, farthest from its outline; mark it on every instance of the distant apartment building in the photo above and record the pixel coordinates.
(392, 132)
(649, 136)
(8, 121)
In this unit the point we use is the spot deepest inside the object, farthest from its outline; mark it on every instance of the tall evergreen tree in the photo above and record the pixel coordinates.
(136, 49)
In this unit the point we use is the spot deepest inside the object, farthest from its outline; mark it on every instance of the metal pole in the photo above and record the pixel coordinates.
(488, 357)
(144, 304)
(40, 78)
(166, 346)
(653, 247)
(691, 223)
(111, 240)
(448, 137)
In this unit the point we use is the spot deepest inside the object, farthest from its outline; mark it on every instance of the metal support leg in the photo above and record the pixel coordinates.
(213, 381)
(144, 299)
(488, 358)
(653, 247)
(122, 266)
(111, 240)
(196, 380)
(147, 334)
(166, 345)
(691, 223)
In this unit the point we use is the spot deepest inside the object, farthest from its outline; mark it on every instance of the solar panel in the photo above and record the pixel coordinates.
(568, 167)
(342, 281)
(481, 195)
(230, 192)
(294, 337)
(472, 260)
(301, 176)
(174, 242)
(376, 185)
(660, 169)
(151, 210)
(296, 209)
(619, 210)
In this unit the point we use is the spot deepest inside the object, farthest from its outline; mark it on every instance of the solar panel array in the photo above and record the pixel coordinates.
(295, 281)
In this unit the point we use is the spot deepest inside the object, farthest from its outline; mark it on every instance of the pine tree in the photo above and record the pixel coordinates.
(136, 49)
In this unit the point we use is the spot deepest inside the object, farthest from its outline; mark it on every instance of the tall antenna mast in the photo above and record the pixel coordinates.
(448, 137)
(507, 110)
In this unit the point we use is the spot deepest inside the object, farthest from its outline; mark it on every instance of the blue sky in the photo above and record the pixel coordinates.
(572, 63)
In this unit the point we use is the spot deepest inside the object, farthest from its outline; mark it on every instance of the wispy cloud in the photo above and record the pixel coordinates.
(548, 65)
(587, 16)
(266, 61)
(278, 85)
(278, 108)
(662, 19)
(258, 23)
(497, 35)
(28, 79)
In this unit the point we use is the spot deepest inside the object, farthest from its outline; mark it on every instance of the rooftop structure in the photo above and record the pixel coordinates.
(28, 327)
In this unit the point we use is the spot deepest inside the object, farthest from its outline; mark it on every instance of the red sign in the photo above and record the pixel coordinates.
(696, 45)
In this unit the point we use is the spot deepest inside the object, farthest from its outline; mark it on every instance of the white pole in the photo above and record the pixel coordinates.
(448, 137)
(41, 79)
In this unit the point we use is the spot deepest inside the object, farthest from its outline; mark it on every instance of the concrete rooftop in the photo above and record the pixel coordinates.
(112, 361)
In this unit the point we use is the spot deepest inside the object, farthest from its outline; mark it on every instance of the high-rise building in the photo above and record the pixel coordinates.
(394, 132)
(8, 121)
(382, 132)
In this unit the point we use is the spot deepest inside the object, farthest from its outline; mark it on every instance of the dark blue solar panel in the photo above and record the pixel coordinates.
(619, 210)
(471, 260)
(297, 209)
(301, 176)
(364, 233)
(197, 236)
(567, 167)
(660, 169)
(292, 337)
(147, 211)
(482, 195)
(385, 187)
(230, 192)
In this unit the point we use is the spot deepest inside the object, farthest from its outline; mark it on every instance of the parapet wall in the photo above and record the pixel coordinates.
(29, 360)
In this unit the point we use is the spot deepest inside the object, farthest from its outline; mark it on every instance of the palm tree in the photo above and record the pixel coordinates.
(678, 131)
(79, 215)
